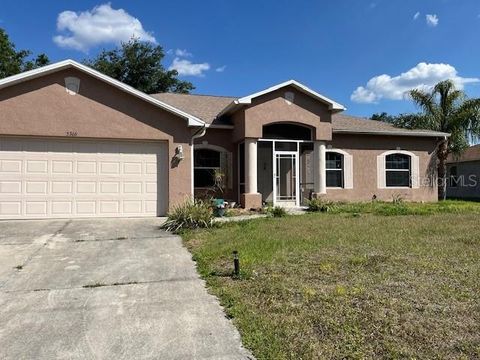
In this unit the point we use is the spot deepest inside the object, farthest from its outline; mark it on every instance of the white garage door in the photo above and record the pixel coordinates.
(45, 178)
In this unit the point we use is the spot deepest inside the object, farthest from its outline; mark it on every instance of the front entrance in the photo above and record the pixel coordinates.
(285, 172)
(286, 184)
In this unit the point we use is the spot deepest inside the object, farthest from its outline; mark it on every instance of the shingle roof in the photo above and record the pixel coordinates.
(342, 123)
(471, 154)
(207, 107)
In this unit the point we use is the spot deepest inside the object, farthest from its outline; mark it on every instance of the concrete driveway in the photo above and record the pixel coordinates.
(105, 289)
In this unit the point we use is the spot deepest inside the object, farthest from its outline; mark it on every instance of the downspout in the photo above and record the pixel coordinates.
(197, 134)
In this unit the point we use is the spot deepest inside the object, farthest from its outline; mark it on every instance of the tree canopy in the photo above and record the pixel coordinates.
(13, 62)
(139, 64)
(446, 109)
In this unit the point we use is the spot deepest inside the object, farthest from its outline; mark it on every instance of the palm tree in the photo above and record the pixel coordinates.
(447, 109)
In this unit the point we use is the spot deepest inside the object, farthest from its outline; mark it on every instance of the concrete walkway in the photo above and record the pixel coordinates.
(105, 289)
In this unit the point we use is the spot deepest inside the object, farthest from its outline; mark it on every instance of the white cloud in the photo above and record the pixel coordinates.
(422, 76)
(183, 53)
(101, 25)
(221, 68)
(417, 14)
(187, 68)
(432, 20)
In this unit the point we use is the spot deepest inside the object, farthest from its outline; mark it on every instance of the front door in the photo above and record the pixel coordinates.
(285, 178)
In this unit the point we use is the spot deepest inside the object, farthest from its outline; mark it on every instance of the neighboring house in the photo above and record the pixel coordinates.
(464, 174)
(77, 143)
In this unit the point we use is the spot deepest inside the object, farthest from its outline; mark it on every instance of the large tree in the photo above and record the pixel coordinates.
(139, 64)
(13, 62)
(447, 109)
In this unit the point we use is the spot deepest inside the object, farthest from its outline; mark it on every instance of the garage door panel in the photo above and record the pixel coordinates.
(132, 168)
(62, 208)
(36, 208)
(75, 178)
(36, 166)
(86, 167)
(11, 208)
(10, 166)
(86, 187)
(36, 187)
(10, 187)
(130, 187)
(62, 167)
(62, 187)
(109, 187)
(86, 207)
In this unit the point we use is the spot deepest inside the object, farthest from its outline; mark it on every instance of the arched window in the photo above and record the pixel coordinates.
(335, 169)
(206, 162)
(287, 131)
(398, 169)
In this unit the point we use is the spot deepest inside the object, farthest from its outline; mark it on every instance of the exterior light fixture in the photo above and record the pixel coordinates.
(179, 152)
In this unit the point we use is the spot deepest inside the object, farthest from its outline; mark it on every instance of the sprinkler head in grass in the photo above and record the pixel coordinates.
(236, 264)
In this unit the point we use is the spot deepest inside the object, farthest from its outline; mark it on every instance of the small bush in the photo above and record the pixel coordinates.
(192, 214)
(276, 211)
(397, 199)
(320, 205)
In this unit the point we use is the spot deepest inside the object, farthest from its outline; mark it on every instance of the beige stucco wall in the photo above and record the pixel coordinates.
(366, 148)
(42, 107)
(273, 108)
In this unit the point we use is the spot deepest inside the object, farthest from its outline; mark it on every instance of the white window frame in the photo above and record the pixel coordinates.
(382, 170)
(347, 168)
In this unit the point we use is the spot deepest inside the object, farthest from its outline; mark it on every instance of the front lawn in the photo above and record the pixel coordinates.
(351, 284)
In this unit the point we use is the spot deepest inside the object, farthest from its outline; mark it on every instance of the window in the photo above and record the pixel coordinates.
(334, 167)
(286, 131)
(397, 170)
(206, 161)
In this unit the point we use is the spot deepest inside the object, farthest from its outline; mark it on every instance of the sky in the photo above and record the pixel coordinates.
(363, 54)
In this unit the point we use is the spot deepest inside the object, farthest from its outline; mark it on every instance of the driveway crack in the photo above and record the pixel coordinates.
(29, 258)
(101, 285)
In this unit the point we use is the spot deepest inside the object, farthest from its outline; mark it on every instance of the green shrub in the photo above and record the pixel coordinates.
(397, 199)
(276, 211)
(192, 214)
(320, 205)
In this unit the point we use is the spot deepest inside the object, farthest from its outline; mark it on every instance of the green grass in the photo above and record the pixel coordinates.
(353, 284)
(406, 208)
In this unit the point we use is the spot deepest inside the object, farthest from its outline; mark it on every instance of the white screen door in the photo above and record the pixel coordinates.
(285, 178)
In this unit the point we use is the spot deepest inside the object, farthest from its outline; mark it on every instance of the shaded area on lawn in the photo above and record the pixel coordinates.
(351, 285)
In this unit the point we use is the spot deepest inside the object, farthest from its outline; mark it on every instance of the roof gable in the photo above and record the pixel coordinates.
(62, 65)
(332, 105)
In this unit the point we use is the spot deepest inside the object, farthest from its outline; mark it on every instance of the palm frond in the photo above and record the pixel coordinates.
(423, 100)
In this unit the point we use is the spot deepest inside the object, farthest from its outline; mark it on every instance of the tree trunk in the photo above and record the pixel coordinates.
(442, 170)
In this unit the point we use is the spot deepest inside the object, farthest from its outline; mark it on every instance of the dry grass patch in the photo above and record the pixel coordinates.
(341, 286)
